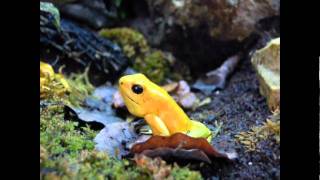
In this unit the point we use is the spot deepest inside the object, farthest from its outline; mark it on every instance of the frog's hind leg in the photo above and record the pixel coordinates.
(199, 130)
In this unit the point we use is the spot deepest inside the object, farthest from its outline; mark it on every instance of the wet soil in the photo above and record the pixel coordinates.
(239, 107)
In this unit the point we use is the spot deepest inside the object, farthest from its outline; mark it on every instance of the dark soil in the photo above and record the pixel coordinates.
(240, 106)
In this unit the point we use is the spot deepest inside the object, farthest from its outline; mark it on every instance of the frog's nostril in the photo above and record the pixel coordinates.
(121, 81)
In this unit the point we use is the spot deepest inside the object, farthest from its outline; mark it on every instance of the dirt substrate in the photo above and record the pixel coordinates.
(239, 107)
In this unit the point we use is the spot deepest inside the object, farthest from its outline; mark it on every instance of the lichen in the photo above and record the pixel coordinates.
(269, 129)
(71, 90)
(52, 85)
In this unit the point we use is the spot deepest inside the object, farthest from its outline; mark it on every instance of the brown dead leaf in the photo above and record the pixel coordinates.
(177, 154)
(181, 141)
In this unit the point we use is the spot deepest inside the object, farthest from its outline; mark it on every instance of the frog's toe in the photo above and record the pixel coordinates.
(209, 138)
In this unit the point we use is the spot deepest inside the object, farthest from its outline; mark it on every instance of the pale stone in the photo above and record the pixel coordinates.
(266, 62)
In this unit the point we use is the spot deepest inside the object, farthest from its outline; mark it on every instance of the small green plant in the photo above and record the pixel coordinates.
(80, 88)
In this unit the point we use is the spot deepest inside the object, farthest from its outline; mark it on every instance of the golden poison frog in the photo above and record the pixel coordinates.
(144, 98)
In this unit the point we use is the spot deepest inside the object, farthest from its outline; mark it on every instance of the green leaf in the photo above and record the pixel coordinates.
(50, 8)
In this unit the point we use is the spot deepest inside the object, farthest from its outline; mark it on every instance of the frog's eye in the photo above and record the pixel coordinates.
(137, 89)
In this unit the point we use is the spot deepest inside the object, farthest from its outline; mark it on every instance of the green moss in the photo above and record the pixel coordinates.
(97, 165)
(184, 174)
(59, 136)
(153, 63)
(132, 42)
(155, 66)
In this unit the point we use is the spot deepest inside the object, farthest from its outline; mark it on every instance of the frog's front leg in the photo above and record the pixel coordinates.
(157, 125)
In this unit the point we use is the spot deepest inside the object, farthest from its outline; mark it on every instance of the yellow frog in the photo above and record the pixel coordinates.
(144, 98)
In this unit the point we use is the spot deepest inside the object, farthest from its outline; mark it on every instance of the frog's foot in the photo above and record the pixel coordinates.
(198, 129)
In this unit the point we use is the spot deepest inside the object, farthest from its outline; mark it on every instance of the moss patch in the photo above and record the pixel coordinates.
(59, 136)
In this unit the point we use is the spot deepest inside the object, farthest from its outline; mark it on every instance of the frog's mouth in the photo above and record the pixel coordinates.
(126, 96)
(132, 99)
